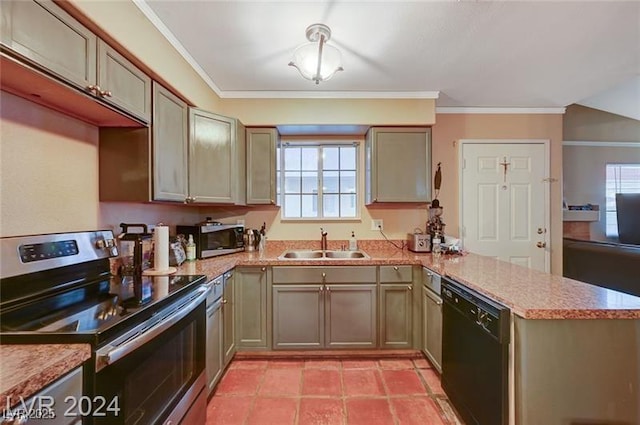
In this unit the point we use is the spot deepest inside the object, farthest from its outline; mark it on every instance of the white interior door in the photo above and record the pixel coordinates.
(505, 202)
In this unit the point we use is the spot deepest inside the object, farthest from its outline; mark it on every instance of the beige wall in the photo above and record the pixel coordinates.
(583, 123)
(585, 176)
(450, 128)
(49, 176)
(257, 112)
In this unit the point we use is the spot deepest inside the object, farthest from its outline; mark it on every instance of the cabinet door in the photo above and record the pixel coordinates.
(215, 171)
(261, 165)
(432, 327)
(253, 308)
(214, 346)
(43, 33)
(398, 167)
(298, 316)
(170, 115)
(396, 316)
(228, 307)
(128, 87)
(350, 316)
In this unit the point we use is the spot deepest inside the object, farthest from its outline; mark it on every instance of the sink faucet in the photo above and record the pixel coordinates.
(323, 239)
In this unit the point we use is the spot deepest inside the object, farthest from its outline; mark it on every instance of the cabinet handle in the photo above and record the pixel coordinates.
(395, 268)
(94, 88)
(328, 289)
(104, 93)
(273, 202)
(264, 269)
(224, 301)
(410, 288)
(320, 289)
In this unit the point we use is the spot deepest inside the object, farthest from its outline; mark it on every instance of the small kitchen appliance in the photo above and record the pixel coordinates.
(136, 250)
(435, 225)
(213, 238)
(419, 242)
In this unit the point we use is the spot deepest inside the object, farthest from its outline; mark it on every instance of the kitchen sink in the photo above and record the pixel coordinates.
(289, 255)
(345, 254)
(319, 255)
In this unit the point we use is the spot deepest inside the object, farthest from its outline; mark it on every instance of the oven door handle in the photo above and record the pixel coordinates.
(110, 354)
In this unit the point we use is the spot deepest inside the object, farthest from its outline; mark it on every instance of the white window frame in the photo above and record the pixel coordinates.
(319, 142)
(611, 225)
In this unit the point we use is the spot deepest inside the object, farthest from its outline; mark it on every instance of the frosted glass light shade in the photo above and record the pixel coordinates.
(307, 56)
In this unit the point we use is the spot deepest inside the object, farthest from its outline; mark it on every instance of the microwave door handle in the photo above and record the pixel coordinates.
(109, 354)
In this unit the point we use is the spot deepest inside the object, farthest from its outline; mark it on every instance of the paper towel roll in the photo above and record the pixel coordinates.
(161, 248)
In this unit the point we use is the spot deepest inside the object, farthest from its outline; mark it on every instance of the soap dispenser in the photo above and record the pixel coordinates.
(353, 243)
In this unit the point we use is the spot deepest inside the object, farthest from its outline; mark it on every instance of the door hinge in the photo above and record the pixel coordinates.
(549, 180)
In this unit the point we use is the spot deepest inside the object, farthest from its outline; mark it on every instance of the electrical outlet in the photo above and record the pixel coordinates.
(377, 224)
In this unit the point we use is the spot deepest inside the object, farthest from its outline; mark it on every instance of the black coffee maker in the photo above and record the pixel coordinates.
(136, 250)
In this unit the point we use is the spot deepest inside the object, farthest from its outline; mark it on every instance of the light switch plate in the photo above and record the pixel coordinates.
(377, 224)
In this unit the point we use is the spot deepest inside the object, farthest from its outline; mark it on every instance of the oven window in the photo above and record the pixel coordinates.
(160, 377)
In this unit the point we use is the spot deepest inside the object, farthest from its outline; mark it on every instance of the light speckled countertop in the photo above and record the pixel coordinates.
(26, 369)
(529, 293)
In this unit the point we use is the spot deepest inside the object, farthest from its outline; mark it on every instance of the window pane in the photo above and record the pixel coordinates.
(309, 205)
(330, 206)
(292, 158)
(612, 223)
(347, 205)
(310, 158)
(348, 158)
(330, 158)
(291, 182)
(309, 182)
(292, 206)
(278, 183)
(347, 182)
(330, 182)
(278, 153)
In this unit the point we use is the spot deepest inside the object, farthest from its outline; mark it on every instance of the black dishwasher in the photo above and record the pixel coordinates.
(475, 354)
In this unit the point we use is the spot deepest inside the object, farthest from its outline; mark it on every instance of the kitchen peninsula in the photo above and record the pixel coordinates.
(575, 352)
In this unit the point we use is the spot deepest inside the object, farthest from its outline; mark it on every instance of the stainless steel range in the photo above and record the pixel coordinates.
(147, 334)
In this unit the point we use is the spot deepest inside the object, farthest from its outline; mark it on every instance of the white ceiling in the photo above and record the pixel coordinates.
(507, 54)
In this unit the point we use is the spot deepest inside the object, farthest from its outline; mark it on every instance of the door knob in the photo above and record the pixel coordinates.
(541, 244)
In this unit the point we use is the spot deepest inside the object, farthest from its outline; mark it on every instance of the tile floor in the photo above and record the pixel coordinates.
(330, 392)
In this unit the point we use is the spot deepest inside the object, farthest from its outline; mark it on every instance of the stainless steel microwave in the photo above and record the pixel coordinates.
(214, 238)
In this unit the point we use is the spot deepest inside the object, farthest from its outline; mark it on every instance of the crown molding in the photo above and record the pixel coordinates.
(604, 144)
(166, 32)
(328, 95)
(481, 110)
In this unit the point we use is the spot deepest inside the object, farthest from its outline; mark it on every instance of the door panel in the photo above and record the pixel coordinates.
(396, 316)
(350, 316)
(504, 201)
(298, 320)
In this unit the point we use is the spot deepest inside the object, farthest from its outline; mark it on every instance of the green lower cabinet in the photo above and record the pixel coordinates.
(396, 316)
(315, 316)
(298, 317)
(253, 308)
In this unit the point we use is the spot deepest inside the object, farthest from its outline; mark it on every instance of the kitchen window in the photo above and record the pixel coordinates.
(621, 178)
(318, 180)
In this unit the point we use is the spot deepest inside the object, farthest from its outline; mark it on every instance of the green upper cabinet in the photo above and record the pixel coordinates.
(170, 139)
(217, 164)
(261, 165)
(42, 33)
(398, 164)
(122, 84)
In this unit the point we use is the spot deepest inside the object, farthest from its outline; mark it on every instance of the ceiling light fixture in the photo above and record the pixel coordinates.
(317, 60)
